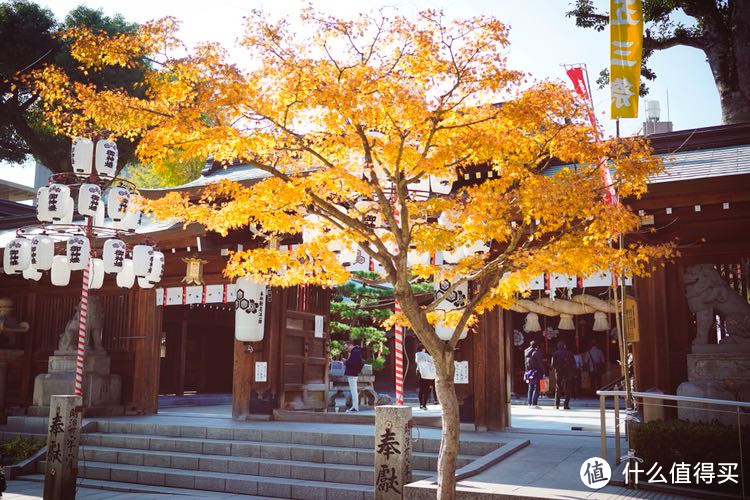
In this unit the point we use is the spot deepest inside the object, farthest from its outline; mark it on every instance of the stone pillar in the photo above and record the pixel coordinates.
(62, 447)
(392, 451)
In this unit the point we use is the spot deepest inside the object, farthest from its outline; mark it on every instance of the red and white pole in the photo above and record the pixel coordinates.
(82, 318)
(398, 337)
(83, 314)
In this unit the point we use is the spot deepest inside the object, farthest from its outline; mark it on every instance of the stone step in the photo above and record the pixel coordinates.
(223, 482)
(274, 435)
(290, 469)
(264, 450)
(144, 491)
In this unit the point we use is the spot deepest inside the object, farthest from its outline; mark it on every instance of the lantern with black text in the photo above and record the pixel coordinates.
(157, 268)
(132, 220)
(42, 252)
(59, 201)
(142, 255)
(452, 300)
(60, 273)
(97, 274)
(249, 316)
(89, 199)
(113, 255)
(126, 277)
(106, 158)
(117, 203)
(17, 256)
(42, 205)
(82, 155)
(78, 251)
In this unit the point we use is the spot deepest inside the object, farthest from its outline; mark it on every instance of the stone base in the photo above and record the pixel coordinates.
(698, 412)
(718, 366)
(100, 388)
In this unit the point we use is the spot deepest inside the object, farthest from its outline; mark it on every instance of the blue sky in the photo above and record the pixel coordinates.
(542, 39)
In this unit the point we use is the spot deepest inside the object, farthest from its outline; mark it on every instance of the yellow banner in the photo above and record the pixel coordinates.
(625, 52)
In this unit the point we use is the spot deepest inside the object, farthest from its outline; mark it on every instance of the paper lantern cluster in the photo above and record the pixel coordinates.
(30, 257)
(56, 206)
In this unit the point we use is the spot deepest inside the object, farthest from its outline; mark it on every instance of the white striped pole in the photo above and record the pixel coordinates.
(82, 318)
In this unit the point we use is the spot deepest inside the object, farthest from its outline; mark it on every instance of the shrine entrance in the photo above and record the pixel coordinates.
(197, 346)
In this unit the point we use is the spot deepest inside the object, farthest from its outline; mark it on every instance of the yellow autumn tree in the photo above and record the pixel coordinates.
(361, 128)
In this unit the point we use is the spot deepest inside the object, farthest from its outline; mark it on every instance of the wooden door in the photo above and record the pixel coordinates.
(305, 363)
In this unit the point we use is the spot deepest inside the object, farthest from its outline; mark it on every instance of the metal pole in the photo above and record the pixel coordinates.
(739, 442)
(603, 425)
(617, 430)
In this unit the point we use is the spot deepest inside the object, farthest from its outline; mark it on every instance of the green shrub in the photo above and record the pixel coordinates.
(20, 448)
(672, 441)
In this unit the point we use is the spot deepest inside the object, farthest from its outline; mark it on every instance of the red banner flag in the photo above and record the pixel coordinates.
(575, 73)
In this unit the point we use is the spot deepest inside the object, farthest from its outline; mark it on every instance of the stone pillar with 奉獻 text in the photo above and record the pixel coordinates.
(392, 451)
(63, 437)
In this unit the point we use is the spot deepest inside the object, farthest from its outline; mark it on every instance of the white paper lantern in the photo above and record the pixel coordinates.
(89, 199)
(132, 220)
(453, 301)
(78, 251)
(346, 254)
(415, 257)
(156, 269)
(106, 158)
(312, 229)
(96, 279)
(249, 315)
(32, 274)
(42, 252)
(117, 203)
(60, 273)
(113, 255)
(144, 283)
(126, 277)
(371, 215)
(99, 217)
(82, 155)
(421, 186)
(59, 201)
(441, 185)
(17, 256)
(142, 255)
(42, 205)
(67, 217)
(361, 261)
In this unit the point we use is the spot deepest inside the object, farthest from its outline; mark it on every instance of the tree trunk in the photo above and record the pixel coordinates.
(446, 393)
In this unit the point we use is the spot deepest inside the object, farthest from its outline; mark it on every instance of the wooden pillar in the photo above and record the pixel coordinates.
(146, 325)
(491, 371)
(181, 357)
(243, 373)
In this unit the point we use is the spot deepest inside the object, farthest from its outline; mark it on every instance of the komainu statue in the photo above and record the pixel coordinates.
(708, 296)
(94, 327)
(8, 324)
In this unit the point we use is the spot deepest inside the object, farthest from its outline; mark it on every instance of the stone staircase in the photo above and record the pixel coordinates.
(247, 460)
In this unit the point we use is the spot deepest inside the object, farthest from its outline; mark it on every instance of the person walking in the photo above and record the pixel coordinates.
(595, 364)
(352, 367)
(427, 372)
(534, 364)
(564, 365)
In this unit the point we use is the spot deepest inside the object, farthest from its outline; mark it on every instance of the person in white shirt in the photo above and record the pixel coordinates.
(427, 372)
